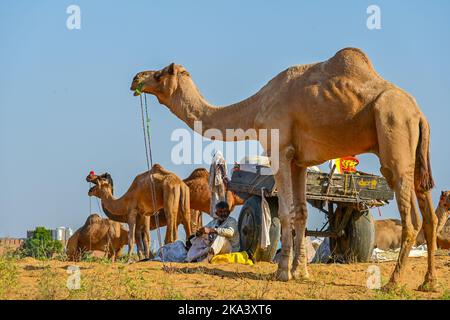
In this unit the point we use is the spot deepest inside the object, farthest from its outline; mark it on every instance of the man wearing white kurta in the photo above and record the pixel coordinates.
(220, 236)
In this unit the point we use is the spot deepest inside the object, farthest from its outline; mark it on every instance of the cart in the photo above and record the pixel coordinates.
(345, 199)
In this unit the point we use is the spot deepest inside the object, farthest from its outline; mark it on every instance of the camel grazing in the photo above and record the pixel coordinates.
(171, 193)
(322, 111)
(97, 234)
(388, 232)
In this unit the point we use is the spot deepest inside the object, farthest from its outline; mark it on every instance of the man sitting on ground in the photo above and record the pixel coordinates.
(220, 236)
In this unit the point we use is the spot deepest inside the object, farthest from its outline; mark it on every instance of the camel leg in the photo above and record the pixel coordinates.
(147, 237)
(185, 210)
(429, 230)
(299, 269)
(171, 200)
(131, 233)
(139, 243)
(285, 213)
(403, 188)
(111, 252)
(398, 137)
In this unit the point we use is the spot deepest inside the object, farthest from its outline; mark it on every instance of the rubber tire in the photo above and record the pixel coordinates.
(359, 240)
(249, 226)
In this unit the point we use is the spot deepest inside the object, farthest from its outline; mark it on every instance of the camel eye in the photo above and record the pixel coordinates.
(157, 76)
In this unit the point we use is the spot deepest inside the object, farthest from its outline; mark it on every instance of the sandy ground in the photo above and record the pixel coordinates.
(32, 279)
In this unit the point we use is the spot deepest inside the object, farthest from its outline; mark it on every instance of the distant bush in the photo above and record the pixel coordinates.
(41, 245)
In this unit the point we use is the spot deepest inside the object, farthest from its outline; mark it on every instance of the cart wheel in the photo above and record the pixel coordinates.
(249, 226)
(358, 242)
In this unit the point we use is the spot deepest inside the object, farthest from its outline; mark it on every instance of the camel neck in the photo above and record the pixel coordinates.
(115, 209)
(189, 105)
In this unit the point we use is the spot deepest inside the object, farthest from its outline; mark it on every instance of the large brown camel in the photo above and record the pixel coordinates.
(322, 111)
(388, 232)
(97, 234)
(170, 193)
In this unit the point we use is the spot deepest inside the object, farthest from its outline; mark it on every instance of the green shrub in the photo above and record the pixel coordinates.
(41, 245)
(8, 276)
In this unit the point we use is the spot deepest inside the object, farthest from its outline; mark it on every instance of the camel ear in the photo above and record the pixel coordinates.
(172, 69)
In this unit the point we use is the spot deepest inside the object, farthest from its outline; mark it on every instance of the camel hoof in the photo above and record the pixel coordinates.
(283, 275)
(297, 275)
(389, 287)
(428, 286)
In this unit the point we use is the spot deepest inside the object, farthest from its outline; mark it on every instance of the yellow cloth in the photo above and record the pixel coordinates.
(234, 257)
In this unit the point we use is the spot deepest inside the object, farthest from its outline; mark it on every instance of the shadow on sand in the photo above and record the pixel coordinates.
(219, 272)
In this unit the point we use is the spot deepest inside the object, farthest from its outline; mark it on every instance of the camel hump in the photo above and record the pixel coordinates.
(157, 168)
(198, 173)
(93, 218)
(349, 61)
(355, 54)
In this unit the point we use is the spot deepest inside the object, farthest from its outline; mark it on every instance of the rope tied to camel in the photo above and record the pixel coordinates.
(149, 159)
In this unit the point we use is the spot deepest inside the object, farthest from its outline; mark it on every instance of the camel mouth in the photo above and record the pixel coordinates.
(136, 87)
(91, 190)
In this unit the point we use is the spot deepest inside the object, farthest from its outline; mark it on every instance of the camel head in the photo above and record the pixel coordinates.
(445, 199)
(161, 83)
(103, 185)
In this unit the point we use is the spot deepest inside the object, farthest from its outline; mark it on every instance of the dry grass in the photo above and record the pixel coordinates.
(33, 279)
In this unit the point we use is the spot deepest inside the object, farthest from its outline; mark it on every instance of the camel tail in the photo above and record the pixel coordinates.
(423, 164)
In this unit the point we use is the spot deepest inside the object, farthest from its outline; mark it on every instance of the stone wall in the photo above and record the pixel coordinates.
(9, 244)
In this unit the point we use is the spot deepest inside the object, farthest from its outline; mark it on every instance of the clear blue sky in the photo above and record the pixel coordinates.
(66, 108)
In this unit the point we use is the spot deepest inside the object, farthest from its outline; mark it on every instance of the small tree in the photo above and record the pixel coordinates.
(41, 245)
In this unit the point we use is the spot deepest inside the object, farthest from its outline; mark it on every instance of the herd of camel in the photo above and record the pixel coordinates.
(177, 202)
(322, 111)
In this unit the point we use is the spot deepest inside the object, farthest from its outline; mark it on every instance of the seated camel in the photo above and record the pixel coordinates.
(97, 234)
(148, 193)
(388, 232)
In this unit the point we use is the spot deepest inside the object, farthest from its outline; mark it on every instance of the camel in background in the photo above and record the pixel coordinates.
(388, 232)
(321, 111)
(141, 234)
(200, 192)
(97, 234)
(200, 198)
(170, 192)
